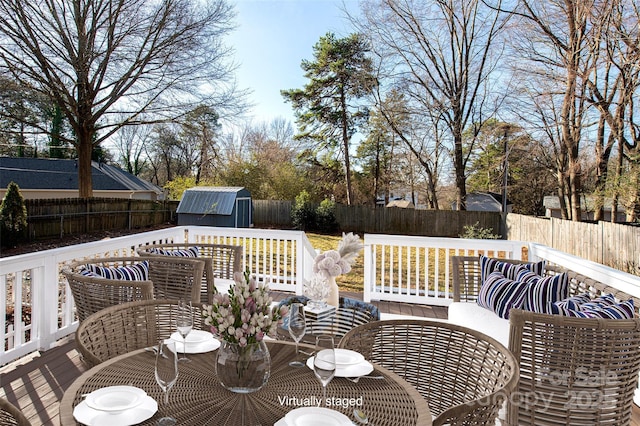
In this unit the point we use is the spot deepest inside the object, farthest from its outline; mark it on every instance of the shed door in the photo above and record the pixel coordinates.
(243, 212)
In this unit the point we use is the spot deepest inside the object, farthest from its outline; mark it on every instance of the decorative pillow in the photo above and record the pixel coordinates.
(134, 272)
(87, 273)
(189, 252)
(623, 310)
(543, 292)
(599, 302)
(500, 294)
(572, 303)
(508, 269)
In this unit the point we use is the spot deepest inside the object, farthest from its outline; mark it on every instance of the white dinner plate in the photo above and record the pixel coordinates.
(194, 336)
(346, 357)
(115, 398)
(143, 411)
(356, 370)
(208, 344)
(316, 416)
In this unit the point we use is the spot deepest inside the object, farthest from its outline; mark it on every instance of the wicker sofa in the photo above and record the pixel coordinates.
(465, 311)
(579, 371)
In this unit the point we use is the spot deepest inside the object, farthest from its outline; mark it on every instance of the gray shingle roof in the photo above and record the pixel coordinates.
(46, 173)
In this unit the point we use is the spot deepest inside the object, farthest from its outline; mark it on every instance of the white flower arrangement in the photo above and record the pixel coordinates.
(244, 315)
(332, 263)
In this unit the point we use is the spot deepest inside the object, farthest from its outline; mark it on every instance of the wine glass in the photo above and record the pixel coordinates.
(184, 324)
(166, 373)
(296, 328)
(324, 363)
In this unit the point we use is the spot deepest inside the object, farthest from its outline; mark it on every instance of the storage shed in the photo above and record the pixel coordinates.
(216, 206)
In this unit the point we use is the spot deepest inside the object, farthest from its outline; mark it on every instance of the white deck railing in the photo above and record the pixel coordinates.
(397, 268)
(32, 286)
(417, 269)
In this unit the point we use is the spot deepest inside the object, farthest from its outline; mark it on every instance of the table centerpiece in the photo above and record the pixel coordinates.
(241, 319)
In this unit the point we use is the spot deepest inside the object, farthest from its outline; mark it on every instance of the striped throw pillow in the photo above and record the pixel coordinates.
(573, 303)
(543, 292)
(500, 294)
(134, 272)
(623, 310)
(188, 252)
(508, 269)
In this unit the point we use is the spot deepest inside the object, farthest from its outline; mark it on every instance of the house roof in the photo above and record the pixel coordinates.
(403, 204)
(218, 200)
(49, 173)
(587, 203)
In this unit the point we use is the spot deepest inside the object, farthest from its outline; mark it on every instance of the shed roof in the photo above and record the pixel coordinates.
(50, 173)
(211, 199)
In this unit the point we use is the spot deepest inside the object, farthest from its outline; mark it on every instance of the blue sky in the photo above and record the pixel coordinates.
(272, 38)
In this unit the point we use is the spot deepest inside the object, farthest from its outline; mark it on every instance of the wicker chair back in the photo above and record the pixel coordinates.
(464, 375)
(221, 261)
(135, 325)
(10, 415)
(573, 370)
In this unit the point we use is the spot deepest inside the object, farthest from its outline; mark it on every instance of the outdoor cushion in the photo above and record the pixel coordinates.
(500, 294)
(134, 272)
(189, 252)
(623, 310)
(476, 317)
(509, 270)
(572, 303)
(543, 292)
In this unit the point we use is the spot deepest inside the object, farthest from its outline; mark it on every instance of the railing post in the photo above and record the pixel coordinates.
(46, 289)
(368, 272)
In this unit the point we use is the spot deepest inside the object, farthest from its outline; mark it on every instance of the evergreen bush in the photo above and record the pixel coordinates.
(13, 216)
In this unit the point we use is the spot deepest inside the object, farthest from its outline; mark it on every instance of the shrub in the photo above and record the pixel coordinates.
(326, 217)
(303, 215)
(476, 232)
(13, 215)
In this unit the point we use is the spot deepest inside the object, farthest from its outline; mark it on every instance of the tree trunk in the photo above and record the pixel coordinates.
(85, 147)
(461, 188)
(345, 147)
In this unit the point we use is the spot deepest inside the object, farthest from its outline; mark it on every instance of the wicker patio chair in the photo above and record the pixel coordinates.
(578, 371)
(130, 326)
(11, 415)
(349, 314)
(221, 261)
(464, 375)
(92, 294)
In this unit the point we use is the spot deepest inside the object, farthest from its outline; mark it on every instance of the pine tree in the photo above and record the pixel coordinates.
(13, 215)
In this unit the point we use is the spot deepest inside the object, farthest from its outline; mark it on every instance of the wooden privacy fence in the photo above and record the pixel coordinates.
(57, 217)
(612, 244)
(381, 220)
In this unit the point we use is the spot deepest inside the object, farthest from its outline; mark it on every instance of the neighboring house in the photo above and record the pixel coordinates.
(40, 178)
(216, 206)
(403, 204)
(552, 208)
(484, 202)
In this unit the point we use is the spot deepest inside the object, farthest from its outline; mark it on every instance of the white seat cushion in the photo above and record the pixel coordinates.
(471, 315)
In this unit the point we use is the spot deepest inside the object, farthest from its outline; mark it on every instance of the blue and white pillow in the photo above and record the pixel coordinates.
(500, 294)
(133, 272)
(508, 269)
(573, 303)
(188, 252)
(622, 310)
(543, 292)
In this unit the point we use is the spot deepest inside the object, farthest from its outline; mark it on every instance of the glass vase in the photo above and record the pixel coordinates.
(243, 369)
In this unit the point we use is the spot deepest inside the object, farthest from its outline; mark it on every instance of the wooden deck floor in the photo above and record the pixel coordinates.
(37, 382)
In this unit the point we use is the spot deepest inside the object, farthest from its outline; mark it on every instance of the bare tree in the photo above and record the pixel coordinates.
(110, 63)
(442, 54)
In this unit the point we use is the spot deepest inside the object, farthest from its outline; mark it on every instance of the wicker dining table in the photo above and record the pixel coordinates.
(198, 398)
